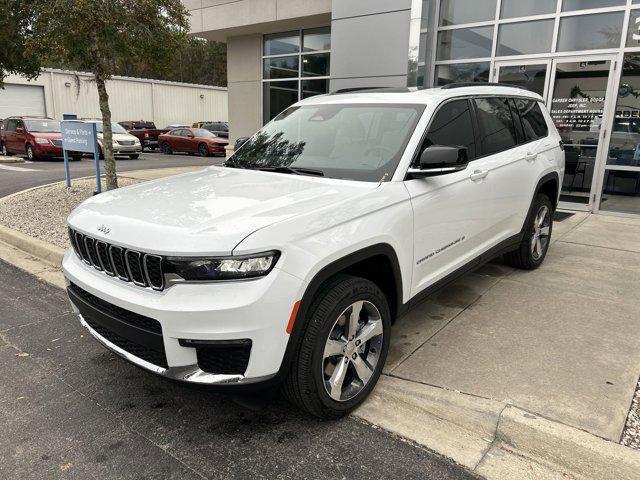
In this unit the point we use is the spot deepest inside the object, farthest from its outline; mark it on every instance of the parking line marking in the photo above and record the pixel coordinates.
(17, 169)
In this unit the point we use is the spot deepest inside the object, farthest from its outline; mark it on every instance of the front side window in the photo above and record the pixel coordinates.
(497, 130)
(202, 133)
(452, 126)
(533, 121)
(349, 141)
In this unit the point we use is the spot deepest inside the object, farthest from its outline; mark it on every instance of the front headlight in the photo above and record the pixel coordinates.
(42, 141)
(222, 268)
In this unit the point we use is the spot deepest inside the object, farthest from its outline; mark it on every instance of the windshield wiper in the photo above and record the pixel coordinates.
(293, 170)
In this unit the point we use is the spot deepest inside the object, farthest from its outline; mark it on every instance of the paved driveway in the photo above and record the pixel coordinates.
(15, 177)
(71, 409)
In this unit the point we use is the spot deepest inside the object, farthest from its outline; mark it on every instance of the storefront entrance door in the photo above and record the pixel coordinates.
(577, 93)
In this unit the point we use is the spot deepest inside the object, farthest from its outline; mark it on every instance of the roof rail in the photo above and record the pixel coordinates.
(478, 84)
(371, 89)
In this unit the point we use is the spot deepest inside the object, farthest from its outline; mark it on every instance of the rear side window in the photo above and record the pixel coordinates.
(497, 130)
(533, 121)
(452, 126)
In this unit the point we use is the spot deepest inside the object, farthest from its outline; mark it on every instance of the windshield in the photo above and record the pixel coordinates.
(115, 128)
(43, 126)
(202, 133)
(349, 141)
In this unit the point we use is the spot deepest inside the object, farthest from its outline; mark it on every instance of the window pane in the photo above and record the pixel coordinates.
(316, 39)
(525, 37)
(529, 77)
(625, 135)
(462, 72)
(568, 5)
(633, 35)
(465, 43)
(524, 8)
(621, 191)
(314, 87)
(281, 67)
(316, 65)
(455, 12)
(277, 96)
(497, 130)
(282, 43)
(533, 120)
(452, 126)
(590, 32)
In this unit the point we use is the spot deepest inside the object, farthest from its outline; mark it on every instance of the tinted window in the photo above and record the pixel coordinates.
(498, 132)
(10, 126)
(452, 125)
(533, 121)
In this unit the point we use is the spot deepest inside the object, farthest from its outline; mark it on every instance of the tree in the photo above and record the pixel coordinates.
(99, 36)
(15, 34)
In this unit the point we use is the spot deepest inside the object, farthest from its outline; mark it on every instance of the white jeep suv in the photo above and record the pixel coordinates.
(289, 264)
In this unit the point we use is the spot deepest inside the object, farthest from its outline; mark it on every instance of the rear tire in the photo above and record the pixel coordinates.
(330, 375)
(4, 150)
(166, 148)
(134, 156)
(537, 236)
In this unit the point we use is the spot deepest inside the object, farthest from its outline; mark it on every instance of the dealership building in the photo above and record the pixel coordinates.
(581, 56)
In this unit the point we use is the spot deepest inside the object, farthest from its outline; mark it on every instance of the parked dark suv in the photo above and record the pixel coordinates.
(33, 137)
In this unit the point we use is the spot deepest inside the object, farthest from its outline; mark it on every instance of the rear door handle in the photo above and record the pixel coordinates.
(478, 174)
(530, 157)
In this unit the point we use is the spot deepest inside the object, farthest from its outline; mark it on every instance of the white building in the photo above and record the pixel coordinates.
(56, 92)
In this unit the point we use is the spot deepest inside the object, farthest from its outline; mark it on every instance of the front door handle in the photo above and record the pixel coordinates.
(478, 175)
(530, 157)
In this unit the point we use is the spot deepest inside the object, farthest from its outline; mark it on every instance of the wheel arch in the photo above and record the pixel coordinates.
(378, 263)
(549, 184)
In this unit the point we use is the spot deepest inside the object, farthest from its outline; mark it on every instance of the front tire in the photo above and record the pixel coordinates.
(31, 156)
(203, 150)
(343, 349)
(537, 236)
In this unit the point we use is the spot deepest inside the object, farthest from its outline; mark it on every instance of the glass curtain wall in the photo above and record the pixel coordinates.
(295, 65)
(470, 35)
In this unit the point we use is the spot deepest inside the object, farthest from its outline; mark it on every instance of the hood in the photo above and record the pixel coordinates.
(50, 136)
(118, 136)
(207, 212)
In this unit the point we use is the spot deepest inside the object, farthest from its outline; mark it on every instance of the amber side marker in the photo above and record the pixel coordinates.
(292, 318)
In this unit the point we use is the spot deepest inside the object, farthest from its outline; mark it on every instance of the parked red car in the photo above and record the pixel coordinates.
(192, 140)
(33, 137)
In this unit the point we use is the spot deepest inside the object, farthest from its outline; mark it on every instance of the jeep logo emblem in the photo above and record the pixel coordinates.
(104, 229)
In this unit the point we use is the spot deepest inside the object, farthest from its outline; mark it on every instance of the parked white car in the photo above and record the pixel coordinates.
(289, 264)
(123, 142)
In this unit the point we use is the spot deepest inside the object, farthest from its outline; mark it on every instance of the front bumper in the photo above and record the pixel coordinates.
(256, 310)
(126, 149)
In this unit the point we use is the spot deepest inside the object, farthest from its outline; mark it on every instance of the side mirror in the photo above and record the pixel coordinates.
(19, 130)
(239, 142)
(190, 135)
(440, 160)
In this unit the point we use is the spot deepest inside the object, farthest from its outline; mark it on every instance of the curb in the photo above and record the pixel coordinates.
(494, 439)
(11, 160)
(33, 246)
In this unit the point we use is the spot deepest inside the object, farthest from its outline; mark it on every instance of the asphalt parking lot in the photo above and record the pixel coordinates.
(71, 409)
(15, 177)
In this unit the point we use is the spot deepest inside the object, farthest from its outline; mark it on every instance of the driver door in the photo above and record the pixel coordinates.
(448, 209)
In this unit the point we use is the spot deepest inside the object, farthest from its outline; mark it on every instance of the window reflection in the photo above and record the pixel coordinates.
(455, 12)
(465, 43)
(590, 32)
(462, 72)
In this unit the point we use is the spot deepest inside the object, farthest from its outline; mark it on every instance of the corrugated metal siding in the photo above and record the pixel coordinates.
(130, 99)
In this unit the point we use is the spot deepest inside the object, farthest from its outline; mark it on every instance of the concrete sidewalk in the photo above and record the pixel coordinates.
(560, 342)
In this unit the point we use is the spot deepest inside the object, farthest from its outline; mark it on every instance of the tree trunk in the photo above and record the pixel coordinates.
(107, 135)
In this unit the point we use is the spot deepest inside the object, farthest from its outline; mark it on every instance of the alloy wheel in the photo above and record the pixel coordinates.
(29, 152)
(352, 350)
(204, 151)
(4, 150)
(541, 232)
